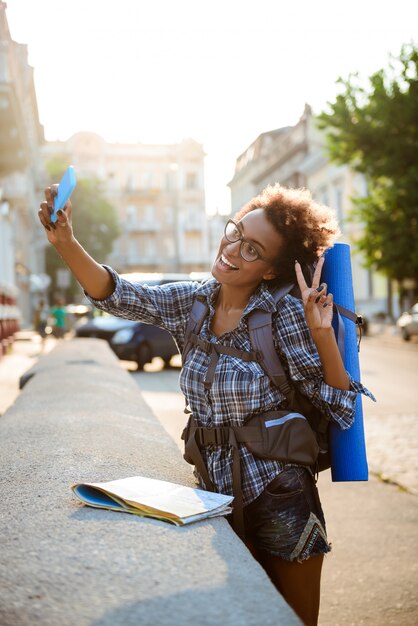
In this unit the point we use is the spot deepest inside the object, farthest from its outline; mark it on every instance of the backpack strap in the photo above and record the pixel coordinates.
(340, 329)
(198, 313)
(215, 349)
(195, 437)
(261, 337)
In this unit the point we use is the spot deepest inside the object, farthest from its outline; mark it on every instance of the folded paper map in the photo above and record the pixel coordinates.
(149, 497)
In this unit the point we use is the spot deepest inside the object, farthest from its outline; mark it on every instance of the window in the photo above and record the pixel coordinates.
(323, 196)
(193, 216)
(132, 249)
(168, 215)
(131, 213)
(148, 213)
(338, 192)
(147, 246)
(147, 180)
(168, 181)
(193, 246)
(169, 247)
(130, 182)
(191, 180)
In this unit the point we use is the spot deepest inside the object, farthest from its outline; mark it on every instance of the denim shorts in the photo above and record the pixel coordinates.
(286, 519)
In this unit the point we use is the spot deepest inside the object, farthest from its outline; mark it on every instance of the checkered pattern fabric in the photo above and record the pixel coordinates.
(239, 389)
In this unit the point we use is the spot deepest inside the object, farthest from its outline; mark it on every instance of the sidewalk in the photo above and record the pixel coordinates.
(24, 353)
(370, 577)
(389, 365)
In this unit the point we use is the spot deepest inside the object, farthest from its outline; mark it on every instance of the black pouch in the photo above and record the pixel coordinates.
(283, 436)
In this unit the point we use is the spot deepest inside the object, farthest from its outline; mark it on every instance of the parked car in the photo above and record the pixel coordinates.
(408, 323)
(136, 341)
(102, 327)
(130, 340)
(142, 342)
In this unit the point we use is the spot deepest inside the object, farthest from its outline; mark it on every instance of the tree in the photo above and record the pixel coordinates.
(95, 224)
(374, 128)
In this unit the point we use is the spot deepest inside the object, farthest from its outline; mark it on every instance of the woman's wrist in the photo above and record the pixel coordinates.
(325, 341)
(329, 354)
(62, 246)
(323, 334)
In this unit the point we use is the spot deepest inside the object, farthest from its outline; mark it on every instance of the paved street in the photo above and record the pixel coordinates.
(389, 367)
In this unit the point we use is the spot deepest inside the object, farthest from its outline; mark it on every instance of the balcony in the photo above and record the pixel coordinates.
(17, 94)
(195, 259)
(13, 149)
(139, 261)
(196, 224)
(135, 226)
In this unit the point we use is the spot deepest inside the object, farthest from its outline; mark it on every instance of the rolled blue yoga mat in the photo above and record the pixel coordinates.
(348, 448)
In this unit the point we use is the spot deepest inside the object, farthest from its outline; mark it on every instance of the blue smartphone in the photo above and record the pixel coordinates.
(65, 189)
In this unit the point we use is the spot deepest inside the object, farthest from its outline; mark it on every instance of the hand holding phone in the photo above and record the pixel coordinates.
(65, 189)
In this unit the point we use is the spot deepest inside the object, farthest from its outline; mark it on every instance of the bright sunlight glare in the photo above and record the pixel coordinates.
(220, 71)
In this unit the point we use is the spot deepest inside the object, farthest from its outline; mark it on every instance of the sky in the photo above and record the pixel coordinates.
(219, 71)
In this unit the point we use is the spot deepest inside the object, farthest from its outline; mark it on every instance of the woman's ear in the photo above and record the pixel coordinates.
(270, 274)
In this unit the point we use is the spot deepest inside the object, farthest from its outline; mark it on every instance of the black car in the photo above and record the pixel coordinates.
(130, 340)
(102, 327)
(142, 342)
(136, 341)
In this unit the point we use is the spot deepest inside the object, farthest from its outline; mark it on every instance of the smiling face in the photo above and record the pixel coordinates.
(230, 268)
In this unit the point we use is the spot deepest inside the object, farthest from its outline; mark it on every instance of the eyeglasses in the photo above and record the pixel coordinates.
(247, 251)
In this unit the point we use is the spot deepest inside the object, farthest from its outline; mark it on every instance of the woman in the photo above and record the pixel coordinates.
(41, 319)
(59, 314)
(285, 527)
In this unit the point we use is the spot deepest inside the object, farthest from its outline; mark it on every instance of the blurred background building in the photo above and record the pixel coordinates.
(21, 136)
(159, 194)
(296, 156)
(158, 191)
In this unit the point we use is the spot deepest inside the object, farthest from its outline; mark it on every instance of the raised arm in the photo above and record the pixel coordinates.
(318, 313)
(94, 279)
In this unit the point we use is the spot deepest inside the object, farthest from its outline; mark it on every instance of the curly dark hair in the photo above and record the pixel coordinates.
(308, 228)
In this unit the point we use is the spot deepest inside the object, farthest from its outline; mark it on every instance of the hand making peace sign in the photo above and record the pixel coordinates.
(316, 302)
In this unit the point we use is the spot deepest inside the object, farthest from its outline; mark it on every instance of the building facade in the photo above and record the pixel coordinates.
(336, 186)
(21, 136)
(296, 156)
(158, 192)
(274, 156)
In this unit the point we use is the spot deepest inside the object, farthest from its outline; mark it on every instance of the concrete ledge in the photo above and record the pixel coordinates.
(80, 417)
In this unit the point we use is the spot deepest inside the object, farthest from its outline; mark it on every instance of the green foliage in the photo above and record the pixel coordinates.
(374, 128)
(56, 167)
(95, 223)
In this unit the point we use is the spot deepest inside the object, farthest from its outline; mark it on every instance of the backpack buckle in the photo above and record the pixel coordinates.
(204, 345)
(216, 435)
(359, 324)
(259, 356)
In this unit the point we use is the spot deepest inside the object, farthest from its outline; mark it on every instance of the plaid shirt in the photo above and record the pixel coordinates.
(239, 388)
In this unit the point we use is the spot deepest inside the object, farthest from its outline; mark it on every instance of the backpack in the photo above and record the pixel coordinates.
(298, 434)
